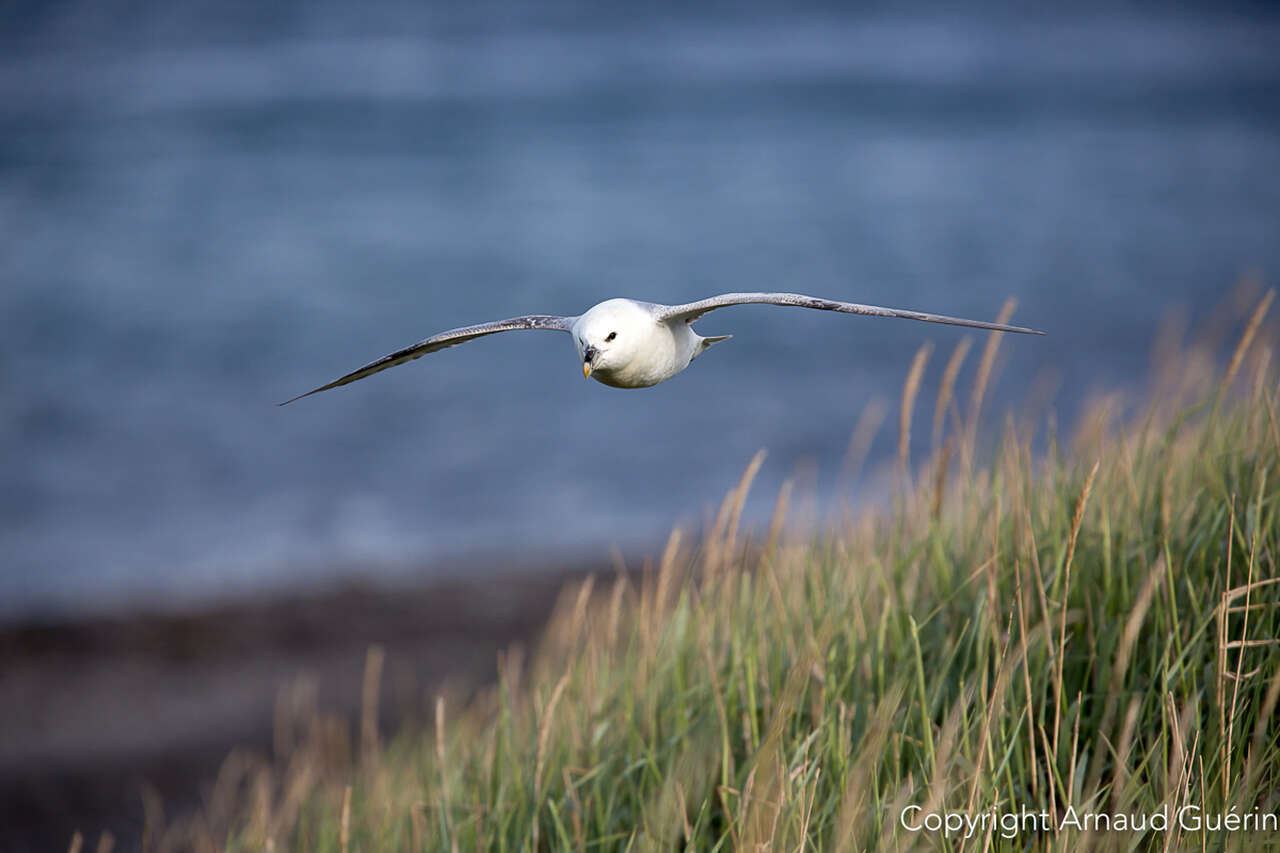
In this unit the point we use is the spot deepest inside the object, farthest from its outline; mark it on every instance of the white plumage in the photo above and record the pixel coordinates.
(630, 344)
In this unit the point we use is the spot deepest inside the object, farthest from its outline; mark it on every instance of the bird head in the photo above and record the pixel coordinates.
(609, 336)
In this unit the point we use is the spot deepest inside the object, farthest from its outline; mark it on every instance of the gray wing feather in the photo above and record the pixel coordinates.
(693, 310)
(451, 338)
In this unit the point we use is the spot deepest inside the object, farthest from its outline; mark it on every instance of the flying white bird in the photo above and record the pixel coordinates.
(630, 344)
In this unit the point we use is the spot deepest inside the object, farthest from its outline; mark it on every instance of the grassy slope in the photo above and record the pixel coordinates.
(1092, 629)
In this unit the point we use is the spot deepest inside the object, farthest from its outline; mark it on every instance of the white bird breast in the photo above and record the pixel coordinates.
(644, 352)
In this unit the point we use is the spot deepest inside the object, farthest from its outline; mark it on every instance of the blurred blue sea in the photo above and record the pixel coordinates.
(206, 208)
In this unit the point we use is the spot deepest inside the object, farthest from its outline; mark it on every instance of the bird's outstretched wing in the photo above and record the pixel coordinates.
(451, 338)
(693, 310)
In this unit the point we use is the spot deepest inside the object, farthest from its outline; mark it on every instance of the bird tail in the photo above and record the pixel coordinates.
(706, 342)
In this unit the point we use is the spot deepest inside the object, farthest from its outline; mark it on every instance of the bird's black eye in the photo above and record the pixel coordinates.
(612, 335)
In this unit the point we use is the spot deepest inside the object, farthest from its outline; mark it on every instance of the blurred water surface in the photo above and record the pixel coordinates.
(207, 208)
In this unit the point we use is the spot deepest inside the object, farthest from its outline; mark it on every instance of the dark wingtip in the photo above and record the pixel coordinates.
(299, 397)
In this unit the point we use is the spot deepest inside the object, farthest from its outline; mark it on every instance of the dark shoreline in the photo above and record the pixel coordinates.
(97, 708)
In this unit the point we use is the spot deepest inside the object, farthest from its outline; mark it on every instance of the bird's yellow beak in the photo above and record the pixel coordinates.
(586, 370)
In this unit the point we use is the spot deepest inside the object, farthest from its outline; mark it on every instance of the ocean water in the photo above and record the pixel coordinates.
(208, 208)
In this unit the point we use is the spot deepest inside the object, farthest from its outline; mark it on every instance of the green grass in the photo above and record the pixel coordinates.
(1091, 628)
